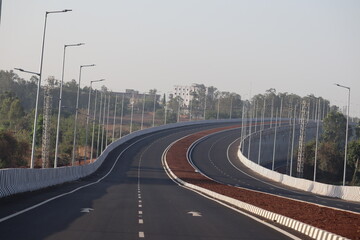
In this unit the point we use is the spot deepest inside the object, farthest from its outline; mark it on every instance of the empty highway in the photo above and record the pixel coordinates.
(129, 197)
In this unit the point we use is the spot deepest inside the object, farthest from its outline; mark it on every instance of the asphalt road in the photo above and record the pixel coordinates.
(129, 197)
(212, 157)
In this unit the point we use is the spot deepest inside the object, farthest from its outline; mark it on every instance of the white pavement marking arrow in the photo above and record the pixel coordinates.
(195, 214)
(86, 210)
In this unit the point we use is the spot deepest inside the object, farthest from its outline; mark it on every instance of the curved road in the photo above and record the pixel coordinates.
(216, 157)
(129, 197)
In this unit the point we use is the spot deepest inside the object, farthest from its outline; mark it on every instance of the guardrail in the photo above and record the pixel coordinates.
(19, 180)
(350, 193)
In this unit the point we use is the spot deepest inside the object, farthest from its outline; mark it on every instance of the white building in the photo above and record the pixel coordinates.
(185, 93)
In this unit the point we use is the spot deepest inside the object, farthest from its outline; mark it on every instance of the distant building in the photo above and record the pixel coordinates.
(184, 92)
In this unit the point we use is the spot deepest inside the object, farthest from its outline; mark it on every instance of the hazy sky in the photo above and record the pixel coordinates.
(294, 46)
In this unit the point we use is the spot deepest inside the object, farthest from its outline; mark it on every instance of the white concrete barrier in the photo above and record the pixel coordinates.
(18, 180)
(350, 193)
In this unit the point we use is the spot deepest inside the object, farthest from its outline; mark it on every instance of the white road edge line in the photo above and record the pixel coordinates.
(227, 202)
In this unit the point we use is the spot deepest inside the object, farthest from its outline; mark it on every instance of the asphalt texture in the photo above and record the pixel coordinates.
(215, 159)
(129, 197)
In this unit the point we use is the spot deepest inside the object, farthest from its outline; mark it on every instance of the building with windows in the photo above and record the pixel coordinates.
(185, 93)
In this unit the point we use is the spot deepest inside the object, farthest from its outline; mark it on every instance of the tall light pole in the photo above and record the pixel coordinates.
(218, 109)
(122, 113)
(99, 125)
(143, 110)
(114, 120)
(205, 104)
(60, 98)
(153, 123)
(231, 102)
(93, 129)
(103, 124)
(39, 85)
(132, 112)
(347, 130)
(107, 121)
(274, 147)
(88, 115)
(318, 112)
(76, 113)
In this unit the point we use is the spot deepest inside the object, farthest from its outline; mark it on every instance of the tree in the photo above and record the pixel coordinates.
(330, 161)
(16, 111)
(334, 128)
(12, 152)
(354, 160)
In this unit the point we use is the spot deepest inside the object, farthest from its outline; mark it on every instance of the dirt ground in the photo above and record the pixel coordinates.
(339, 222)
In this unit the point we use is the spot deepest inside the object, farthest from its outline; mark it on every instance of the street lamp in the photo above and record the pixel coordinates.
(347, 129)
(39, 85)
(60, 98)
(22, 70)
(76, 112)
(88, 114)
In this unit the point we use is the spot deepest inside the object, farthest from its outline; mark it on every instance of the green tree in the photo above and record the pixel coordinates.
(354, 161)
(330, 162)
(12, 152)
(334, 128)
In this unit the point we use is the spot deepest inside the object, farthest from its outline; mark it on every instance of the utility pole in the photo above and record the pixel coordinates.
(122, 114)
(114, 120)
(292, 142)
(47, 123)
(107, 122)
(98, 146)
(301, 151)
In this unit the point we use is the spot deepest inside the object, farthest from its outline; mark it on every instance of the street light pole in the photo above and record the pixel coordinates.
(93, 129)
(114, 120)
(218, 109)
(347, 130)
(153, 123)
(317, 136)
(122, 114)
(143, 110)
(76, 113)
(60, 98)
(99, 125)
(39, 85)
(88, 115)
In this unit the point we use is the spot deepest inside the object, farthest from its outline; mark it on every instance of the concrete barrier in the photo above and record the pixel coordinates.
(18, 180)
(350, 193)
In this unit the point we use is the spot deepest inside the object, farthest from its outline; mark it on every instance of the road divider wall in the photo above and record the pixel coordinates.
(19, 180)
(350, 193)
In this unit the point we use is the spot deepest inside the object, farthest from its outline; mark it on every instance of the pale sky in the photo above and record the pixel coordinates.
(242, 46)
